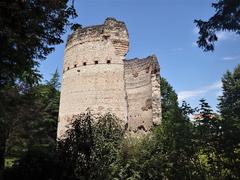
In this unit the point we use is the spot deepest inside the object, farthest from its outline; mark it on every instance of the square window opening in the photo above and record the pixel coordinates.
(96, 62)
(108, 62)
(84, 63)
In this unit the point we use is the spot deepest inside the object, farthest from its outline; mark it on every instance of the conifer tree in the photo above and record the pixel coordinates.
(230, 111)
(207, 138)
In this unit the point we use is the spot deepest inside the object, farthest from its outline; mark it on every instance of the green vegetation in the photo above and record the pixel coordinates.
(95, 147)
(9, 162)
(29, 117)
(28, 32)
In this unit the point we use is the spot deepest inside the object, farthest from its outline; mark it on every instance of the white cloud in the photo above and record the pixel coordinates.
(178, 49)
(195, 30)
(226, 35)
(228, 58)
(194, 44)
(213, 86)
(183, 95)
(219, 93)
(222, 35)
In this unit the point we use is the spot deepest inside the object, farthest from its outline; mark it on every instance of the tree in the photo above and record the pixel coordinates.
(168, 98)
(172, 152)
(89, 146)
(29, 117)
(229, 107)
(226, 18)
(208, 137)
(28, 31)
(37, 164)
(48, 96)
(8, 107)
(206, 123)
(166, 153)
(174, 149)
(37, 118)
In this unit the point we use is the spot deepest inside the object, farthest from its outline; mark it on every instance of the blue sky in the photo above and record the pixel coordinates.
(164, 28)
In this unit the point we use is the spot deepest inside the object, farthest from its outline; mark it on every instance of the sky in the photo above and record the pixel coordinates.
(165, 28)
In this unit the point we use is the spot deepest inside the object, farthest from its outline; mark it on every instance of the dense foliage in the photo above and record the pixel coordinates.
(28, 117)
(94, 147)
(90, 146)
(28, 31)
(87, 151)
(230, 125)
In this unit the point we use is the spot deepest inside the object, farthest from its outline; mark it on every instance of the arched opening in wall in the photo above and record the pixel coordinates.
(68, 68)
(84, 63)
(75, 65)
(96, 62)
(108, 61)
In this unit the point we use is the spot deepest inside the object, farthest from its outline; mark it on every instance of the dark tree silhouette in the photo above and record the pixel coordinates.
(230, 110)
(90, 146)
(226, 18)
(28, 31)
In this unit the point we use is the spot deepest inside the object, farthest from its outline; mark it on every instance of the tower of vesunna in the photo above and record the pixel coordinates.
(97, 76)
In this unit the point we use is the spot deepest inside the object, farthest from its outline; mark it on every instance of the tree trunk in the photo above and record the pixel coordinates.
(2, 157)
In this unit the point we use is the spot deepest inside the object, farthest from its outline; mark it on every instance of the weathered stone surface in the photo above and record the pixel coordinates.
(143, 93)
(96, 76)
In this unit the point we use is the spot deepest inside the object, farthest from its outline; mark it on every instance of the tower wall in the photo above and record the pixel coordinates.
(96, 76)
(143, 93)
(93, 75)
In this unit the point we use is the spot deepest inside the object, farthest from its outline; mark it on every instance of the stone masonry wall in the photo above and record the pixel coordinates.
(143, 98)
(93, 72)
(96, 77)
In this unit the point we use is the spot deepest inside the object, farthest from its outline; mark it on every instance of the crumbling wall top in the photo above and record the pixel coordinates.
(112, 29)
(147, 63)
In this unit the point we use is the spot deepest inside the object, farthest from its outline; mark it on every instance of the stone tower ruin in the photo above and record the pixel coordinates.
(97, 76)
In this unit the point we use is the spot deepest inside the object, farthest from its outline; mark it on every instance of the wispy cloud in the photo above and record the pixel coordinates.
(183, 95)
(213, 86)
(194, 44)
(229, 58)
(178, 49)
(226, 35)
(219, 93)
(222, 35)
(195, 30)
